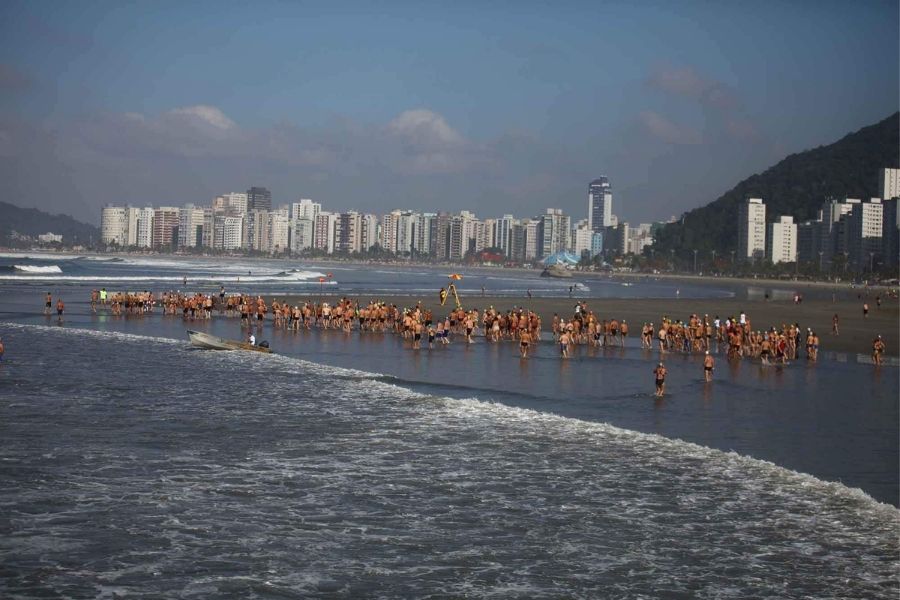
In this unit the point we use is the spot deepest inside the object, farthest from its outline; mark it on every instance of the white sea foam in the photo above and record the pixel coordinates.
(231, 278)
(724, 464)
(37, 269)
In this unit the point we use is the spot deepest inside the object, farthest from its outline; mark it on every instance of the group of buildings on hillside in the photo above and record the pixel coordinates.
(247, 221)
(861, 234)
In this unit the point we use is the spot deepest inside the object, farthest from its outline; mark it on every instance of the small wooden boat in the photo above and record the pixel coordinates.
(212, 342)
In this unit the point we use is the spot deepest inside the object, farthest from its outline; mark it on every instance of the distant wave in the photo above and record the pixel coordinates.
(37, 269)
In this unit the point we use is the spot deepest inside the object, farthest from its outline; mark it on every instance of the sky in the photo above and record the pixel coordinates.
(494, 107)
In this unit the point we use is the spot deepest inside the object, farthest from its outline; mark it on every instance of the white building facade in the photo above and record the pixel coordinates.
(781, 242)
(752, 229)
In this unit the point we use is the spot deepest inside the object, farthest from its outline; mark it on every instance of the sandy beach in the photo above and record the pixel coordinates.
(856, 332)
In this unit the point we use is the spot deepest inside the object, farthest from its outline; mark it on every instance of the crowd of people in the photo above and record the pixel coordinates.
(734, 336)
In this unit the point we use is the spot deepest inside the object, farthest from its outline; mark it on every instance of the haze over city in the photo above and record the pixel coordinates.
(506, 108)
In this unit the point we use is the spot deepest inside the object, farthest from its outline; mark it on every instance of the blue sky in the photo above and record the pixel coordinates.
(493, 107)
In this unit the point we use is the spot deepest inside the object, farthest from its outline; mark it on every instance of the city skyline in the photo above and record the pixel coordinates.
(432, 108)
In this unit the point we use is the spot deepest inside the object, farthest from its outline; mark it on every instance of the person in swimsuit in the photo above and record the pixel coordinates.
(877, 350)
(659, 374)
(709, 363)
(524, 342)
(60, 308)
(564, 344)
(1, 351)
(48, 304)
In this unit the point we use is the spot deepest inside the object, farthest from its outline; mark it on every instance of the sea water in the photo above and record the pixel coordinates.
(134, 465)
(354, 466)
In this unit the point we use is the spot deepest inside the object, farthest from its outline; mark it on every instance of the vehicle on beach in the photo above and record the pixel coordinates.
(212, 342)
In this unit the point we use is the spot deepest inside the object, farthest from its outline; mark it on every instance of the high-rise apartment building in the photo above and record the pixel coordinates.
(864, 228)
(259, 198)
(889, 183)
(349, 232)
(302, 236)
(234, 204)
(599, 204)
(781, 241)
(424, 229)
(503, 233)
(326, 224)
(752, 229)
(190, 226)
(369, 232)
(114, 225)
(279, 224)
(165, 226)
(554, 232)
(890, 232)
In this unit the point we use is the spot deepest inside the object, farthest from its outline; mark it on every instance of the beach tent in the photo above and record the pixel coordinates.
(560, 258)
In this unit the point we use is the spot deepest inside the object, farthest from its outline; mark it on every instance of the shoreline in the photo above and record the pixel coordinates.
(856, 332)
(630, 275)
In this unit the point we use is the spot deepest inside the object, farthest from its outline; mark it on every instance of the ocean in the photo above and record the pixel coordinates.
(350, 466)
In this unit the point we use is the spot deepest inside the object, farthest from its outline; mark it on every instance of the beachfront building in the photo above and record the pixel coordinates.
(424, 231)
(752, 229)
(302, 235)
(599, 204)
(144, 237)
(305, 209)
(259, 198)
(114, 225)
(279, 224)
(864, 227)
(810, 242)
(596, 243)
(531, 239)
(190, 226)
(781, 241)
(349, 232)
(889, 184)
(234, 203)
(582, 239)
(324, 234)
(227, 232)
(369, 233)
(50, 238)
(553, 232)
(890, 232)
(165, 227)
(503, 232)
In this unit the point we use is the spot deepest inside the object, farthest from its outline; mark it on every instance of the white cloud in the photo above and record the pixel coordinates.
(204, 114)
(662, 128)
(424, 127)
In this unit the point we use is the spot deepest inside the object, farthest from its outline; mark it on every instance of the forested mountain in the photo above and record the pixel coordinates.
(796, 186)
(32, 222)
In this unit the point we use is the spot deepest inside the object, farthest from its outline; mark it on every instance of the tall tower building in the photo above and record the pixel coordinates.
(599, 204)
(114, 225)
(752, 229)
(889, 184)
(781, 242)
(259, 198)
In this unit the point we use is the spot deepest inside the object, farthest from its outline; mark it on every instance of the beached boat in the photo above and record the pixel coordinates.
(212, 342)
(557, 271)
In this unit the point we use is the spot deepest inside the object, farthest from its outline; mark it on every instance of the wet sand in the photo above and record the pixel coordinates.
(856, 332)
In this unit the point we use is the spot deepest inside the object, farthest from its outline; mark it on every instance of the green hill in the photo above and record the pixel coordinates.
(33, 222)
(796, 186)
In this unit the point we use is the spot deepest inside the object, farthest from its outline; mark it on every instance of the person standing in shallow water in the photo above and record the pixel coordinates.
(659, 374)
(48, 304)
(709, 363)
(877, 350)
